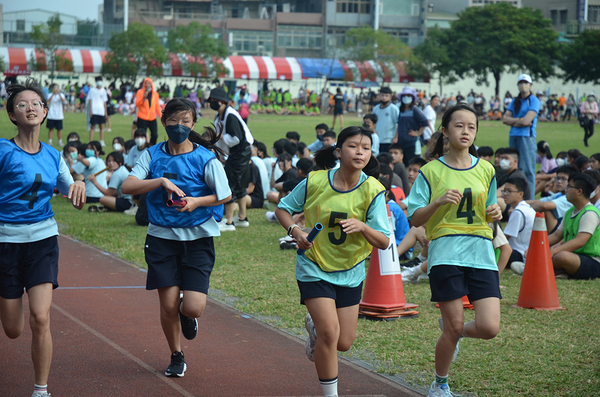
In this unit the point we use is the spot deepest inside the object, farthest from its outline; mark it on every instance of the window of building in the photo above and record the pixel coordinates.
(354, 6)
(291, 36)
(247, 42)
(563, 16)
(594, 14)
(554, 16)
(20, 25)
(400, 7)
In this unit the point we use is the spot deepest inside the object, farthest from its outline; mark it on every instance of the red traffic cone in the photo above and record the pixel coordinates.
(383, 295)
(538, 286)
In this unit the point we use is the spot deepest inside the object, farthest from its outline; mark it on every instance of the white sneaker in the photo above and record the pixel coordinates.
(40, 394)
(243, 223)
(312, 337)
(517, 267)
(102, 143)
(286, 239)
(411, 275)
(457, 348)
(271, 217)
(60, 142)
(225, 227)
(437, 390)
(109, 130)
(131, 211)
(50, 142)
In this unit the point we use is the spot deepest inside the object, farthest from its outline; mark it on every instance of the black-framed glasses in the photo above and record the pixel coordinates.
(506, 192)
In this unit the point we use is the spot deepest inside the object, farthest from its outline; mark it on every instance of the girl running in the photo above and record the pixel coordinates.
(455, 196)
(29, 171)
(179, 246)
(351, 207)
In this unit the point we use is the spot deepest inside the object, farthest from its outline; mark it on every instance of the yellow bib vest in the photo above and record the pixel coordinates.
(334, 250)
(468, 218)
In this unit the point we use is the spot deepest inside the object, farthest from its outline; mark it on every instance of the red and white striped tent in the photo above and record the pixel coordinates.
(18, 60)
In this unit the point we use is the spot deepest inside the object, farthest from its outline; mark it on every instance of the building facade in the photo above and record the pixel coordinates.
(569, 17)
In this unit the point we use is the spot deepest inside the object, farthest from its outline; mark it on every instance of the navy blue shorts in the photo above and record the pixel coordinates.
(54, 124)
(453, 282)
(343, 296)
(25, 265)
(589, 268)
(122, 204)
(97, 120)
(186, 264)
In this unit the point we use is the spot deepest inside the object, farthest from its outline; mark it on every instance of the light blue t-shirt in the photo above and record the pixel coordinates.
(561, 202)
(387, 122)
(264, 174)
(96, 165)
(116, 181)
(455, 250)
(531, 103)
(133, 155)
(215, 179)
(316, 145)
(307, 271)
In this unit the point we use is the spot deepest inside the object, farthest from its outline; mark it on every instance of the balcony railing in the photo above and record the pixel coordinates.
(576, 27)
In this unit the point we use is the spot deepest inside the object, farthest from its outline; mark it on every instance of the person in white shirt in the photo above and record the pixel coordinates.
(387, 119)
(97, 101)
(56, 101)
(520, 224)
(431, 116)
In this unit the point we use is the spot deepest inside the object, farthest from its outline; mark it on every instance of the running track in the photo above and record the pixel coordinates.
(108, 342)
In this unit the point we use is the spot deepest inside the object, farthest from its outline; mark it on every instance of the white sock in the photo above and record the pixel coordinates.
(421, 257)
(418, 271)
(41, 388)
(329, 387)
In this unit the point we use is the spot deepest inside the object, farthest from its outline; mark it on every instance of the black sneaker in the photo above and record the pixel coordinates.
(189, 326)
(178, 366)
(412, 263)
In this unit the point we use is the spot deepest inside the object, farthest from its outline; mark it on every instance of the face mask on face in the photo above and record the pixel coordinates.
(73, 155)
(590, 99)
(504, 164)
(407, 100)
(139, 141)
(320, 137)
(560, 162)
(98, 84)
(593, 195)
(215, 105)
(178, 133)
(89, 153)
(117, 147)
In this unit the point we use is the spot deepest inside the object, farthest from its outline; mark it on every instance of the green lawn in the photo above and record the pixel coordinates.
(536, 353)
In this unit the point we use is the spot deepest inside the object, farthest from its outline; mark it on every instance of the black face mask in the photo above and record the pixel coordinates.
(215, 105)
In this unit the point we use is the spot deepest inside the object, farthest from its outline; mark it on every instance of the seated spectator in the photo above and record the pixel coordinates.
(303, 167)
(579, 256)
(141, 144)
(386, 158)
(260, 165)
(255, 197)
(398, 166)
(572, 156)
(509, 161)
(399, 221)
(329, 138)
(548, 166)
(414, 166)
(73, 137)
(118, 144)
(485, 153)
(369, 121)
(595, 161)
(520, 224)
(88, 163)
(284, 162)
(595, 196)
(582, 163)
(113, 198)
(293, 136)
(318, 144)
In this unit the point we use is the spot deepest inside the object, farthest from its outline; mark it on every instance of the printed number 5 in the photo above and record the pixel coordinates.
(468, 213)
(333, 222)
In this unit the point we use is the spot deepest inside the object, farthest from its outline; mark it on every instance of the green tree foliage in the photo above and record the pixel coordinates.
(431, 58)
(498, 38)
(580, 59)
(366, 44)
(201, 46)
(47, 39)
(135, 51)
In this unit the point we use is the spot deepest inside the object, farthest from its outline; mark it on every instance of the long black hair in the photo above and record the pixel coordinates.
(446, 118)
(544, 148)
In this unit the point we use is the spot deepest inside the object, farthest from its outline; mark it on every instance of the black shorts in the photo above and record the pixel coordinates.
(186, 264)
(257, 202)
(589, 268)
(97, 120)
(25, 265)
(91, 200)
(237, 170)
(338, 111)
(122, 204)
(515, 256)
(54, 124)
(343, 296)
(453, 282)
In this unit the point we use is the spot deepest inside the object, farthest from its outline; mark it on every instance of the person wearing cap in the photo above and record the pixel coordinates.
(521, 115)
(387, 119)
(411, 124)
(589, 113)
(236, 141)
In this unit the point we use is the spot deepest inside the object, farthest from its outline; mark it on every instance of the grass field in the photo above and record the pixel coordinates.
(536, 353)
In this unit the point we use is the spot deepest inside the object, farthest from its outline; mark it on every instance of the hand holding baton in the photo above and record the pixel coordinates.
(175, 203)
(311, 236)
(99, 172)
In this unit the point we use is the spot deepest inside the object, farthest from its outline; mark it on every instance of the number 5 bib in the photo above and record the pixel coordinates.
(334, 250)
(467, 218)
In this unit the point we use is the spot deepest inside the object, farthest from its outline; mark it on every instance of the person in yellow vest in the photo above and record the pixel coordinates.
(351, 207)
(579, 256)
(455, 196)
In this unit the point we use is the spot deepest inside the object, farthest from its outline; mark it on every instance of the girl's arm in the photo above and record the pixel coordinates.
(134, 186)
(285, 219)
(505, 251)
(104, 191)
(376, 238)
(423, 214)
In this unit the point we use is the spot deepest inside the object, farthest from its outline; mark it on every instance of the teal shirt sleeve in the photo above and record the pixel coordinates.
(377, 218)
(294, 201)
(419, 196)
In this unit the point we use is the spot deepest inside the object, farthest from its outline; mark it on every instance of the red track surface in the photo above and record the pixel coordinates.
(108, 342)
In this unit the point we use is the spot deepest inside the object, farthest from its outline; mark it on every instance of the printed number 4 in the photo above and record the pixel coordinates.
(32, 194)
(468, 213)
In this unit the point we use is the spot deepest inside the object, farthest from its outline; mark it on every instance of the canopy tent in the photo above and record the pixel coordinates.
(18, 62)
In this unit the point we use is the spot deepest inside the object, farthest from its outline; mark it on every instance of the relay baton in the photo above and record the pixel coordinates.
(311, 236)
(175, 203)
(99, 172)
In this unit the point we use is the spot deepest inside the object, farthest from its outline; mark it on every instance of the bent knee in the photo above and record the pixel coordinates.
(329, 334)
(489, 331)
(13, 332)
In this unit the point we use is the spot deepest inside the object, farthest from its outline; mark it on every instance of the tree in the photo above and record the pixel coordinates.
(580, 60)
(500, 37)
(47, 39)
(431, 57)
(366, 44)
(134, 51)
(201, 46)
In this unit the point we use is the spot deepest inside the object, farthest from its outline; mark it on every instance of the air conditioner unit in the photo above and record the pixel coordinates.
(286, 7)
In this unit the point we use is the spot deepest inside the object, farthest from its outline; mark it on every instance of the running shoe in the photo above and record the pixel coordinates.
(412, 263)
(40, 394)
(189, 326)
(177, 366)
(437, 390)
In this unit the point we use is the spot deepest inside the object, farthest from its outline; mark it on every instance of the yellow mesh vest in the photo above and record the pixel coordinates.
(334, 250)
(467, 218)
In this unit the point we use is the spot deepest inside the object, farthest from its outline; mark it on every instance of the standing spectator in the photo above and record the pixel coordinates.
(589, 114)
(338, 108)
(411, 124)
(431, 116)
(570, 105)
(97, 104)
(387, 119)
(236, 139)
(507, 100)
(521, 116)
(56, 103)
(148, 109)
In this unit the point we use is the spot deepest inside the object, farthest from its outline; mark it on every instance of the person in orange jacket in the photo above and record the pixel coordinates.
(148, 109)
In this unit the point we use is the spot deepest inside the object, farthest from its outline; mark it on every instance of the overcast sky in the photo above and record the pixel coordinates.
(82, 9)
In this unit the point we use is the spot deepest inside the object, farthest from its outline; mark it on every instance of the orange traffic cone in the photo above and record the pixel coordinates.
(538, 286)
(383, 296)
(466, 303)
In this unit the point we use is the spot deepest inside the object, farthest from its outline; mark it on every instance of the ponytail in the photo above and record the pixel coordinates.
(547, 151)
(208, 140)
(326, 158)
